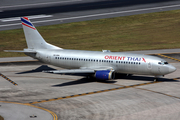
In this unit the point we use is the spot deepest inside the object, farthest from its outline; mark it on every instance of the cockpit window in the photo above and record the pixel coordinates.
(162, 63)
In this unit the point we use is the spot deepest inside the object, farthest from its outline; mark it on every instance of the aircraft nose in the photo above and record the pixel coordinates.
(172, 69)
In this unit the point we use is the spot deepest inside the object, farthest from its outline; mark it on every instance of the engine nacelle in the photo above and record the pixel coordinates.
(104, 75)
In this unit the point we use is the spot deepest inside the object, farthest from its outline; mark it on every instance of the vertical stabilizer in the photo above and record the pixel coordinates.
(33, 38)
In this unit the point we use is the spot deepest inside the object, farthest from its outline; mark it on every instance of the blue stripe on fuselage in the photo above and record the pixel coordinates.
(27, 22)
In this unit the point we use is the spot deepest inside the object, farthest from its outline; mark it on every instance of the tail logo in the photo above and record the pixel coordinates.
(25, 21)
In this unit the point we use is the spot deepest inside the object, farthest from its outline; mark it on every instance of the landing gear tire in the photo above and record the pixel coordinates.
(155, 79)
(129, 74)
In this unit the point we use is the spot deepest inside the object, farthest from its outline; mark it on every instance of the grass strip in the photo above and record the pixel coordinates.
(159, 30)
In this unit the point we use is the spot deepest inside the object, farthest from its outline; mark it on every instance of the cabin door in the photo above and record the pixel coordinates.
(149, 66)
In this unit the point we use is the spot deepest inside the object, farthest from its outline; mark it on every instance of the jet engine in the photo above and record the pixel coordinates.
(105, 75)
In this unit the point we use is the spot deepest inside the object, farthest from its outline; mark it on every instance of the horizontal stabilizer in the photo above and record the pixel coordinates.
(21, 51)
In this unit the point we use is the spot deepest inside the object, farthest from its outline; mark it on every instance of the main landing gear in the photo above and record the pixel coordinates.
(155, 79)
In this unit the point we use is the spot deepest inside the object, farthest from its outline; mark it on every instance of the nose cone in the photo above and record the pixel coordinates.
(172, 69)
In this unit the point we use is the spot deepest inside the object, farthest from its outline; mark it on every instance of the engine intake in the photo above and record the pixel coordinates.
(105, 75)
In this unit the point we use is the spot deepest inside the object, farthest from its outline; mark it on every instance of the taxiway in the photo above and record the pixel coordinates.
(75, 97)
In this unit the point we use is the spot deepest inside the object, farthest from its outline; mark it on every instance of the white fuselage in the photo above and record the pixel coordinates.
(121, 62)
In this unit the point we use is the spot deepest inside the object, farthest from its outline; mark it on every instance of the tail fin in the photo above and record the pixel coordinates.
(33, 38)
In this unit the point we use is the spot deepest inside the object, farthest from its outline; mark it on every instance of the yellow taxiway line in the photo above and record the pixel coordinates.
(52, 113)
(169, 57)
(8, 79)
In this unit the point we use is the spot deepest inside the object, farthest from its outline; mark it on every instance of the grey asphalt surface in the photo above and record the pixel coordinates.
(16, 59)
(59, 12)
(35, 86)
(10, 111)
(143, 100)
(160, 51)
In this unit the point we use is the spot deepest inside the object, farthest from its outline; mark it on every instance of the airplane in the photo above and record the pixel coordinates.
(101, 65)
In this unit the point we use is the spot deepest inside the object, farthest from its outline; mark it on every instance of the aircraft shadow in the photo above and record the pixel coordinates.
(135, 78)
(39, 69)
(143, 78)
(82, 81)
(85, 80)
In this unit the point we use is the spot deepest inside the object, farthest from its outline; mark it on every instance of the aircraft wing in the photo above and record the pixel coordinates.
(81, 70)
(70, 71)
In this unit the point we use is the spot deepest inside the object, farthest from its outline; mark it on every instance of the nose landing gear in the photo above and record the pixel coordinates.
(157, 78)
